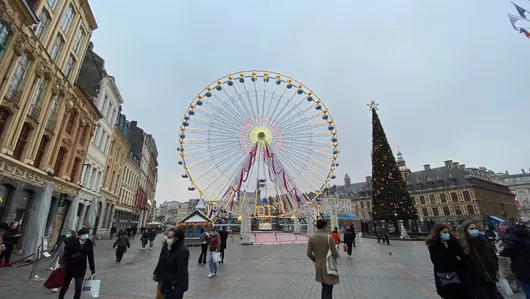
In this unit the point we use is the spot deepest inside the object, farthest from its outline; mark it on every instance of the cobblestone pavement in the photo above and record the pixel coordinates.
(252, 272)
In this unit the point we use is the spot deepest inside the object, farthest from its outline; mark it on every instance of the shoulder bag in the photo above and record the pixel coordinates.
(331, 262)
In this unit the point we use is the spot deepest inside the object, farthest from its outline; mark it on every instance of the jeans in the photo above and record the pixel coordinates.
(525, 286)
(144, 242)
(66, 285)
(204, 253)
(151, 243)
(327, 291)
(212, 265)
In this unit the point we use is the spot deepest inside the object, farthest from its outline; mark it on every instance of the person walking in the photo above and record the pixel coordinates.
(349, 240)
(317, 250)
(10, 239)
(352, 228)
(171, 271)
(385, 234)
(145, 238)
(516, 246)
(214, 246)
(204, 246)
(224, 236)
(451, 264)
(121, 245)
(152, 237)
(336, 236)
(483, 259)
(57, 260)
(76, 254)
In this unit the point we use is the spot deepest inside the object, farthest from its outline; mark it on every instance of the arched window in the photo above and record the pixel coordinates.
(5, 34)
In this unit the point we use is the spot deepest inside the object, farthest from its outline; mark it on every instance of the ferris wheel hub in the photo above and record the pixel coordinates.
(261, 136)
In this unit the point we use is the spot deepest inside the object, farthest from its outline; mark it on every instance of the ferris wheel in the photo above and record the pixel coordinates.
(258, 137)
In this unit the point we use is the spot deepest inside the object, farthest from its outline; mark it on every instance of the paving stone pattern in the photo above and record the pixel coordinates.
(256, 272)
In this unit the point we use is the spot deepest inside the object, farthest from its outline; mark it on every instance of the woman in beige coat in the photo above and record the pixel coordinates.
(317, 250)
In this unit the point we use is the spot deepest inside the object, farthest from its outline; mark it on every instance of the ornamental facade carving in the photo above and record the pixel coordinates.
(44, 69)
(59, 86)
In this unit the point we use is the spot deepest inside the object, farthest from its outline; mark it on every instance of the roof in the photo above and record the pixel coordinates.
(196, 217)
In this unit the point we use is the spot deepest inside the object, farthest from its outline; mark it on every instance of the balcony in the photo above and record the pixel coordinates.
(50, 126)
(13, 95)
(34, 113)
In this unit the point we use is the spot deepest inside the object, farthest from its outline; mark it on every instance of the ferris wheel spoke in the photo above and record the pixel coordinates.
(220, 125)
(271, 117)
(222, 109)
(215, 119)
(295, 119)
(305, 127)
(303, 123)
(256, 97)
(240, 104)
(249, 98)
(281, 116)
(323, 144)
(249, 110)
(235, 105)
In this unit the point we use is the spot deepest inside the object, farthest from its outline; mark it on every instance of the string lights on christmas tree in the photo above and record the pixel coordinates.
(390, 197)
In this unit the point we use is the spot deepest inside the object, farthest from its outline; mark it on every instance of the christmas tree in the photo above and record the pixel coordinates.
(390, 199)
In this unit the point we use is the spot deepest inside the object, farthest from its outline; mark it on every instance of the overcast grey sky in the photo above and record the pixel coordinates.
(450, 76)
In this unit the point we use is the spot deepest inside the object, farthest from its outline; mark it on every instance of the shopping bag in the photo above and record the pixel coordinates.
(90, 288)
(504, 287)
(331, 262)
(345, 248)
(216, 257)
(56, 279)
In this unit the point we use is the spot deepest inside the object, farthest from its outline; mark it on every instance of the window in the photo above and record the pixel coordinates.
(53, 111)
(424, 212)
(446, 211)
(113, 117)
(22, 141)
(40, 28)
(40, 152)
(105, 106)
(104, 140)
(422, 200)
(83, 136)
(92, 178)
(56, 48)
(75, 168)
(96, 136)
(108, 114)
(59, 161)
(106, 149)
(5, 33)
(458, 210)
(67, 18)
(37, 95)
(432, 199)
(467, 195)
(4, 116)
(79, 37)
(443, 199)
(435, 212)
(454, 197)
(470, 210)
(51, 3)
(69, 66)
(71, 122)
(87, 176)
(19, 73)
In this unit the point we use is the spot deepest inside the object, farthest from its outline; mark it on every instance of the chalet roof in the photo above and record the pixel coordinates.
(196, 217)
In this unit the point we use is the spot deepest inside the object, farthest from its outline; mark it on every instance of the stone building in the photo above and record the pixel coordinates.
(46, 120)
(449, 192)
(152, 177)
(129, 189)
(520, 184)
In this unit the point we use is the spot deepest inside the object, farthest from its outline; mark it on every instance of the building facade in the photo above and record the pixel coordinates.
(46, 120)
(129, 190)
(449, 192)
(520, 184)
(105, 93)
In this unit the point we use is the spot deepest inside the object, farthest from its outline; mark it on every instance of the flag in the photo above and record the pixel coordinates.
(526, 33)
(520, 10)
(513, 19)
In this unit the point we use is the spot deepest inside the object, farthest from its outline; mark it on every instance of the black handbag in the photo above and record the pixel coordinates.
(447, 279)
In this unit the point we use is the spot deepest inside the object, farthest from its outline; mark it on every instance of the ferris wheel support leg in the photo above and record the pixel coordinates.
(246, 223)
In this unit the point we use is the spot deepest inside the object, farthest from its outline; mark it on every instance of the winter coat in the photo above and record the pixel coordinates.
(224, 237)
(204, 238)
(317, 250)
(516, 246)
(152, 235)
(145, 236)
(336, 237)
(214, 242)
(122, 242)
(449, 259)
(484, 260)
(349, 236)
(172, 268)
(9, 237)
(76, 258)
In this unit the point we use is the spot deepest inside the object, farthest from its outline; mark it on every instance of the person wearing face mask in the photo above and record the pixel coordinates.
(171, 271)
(450, 263)
(57, 260)
(75, 257)
(484, 263)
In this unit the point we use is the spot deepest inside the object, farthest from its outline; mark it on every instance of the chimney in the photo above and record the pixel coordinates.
(448, 163)
(427, 167)
(463, 166)
(91, 46)
(134, 123)
(368, 179)
(455, 165)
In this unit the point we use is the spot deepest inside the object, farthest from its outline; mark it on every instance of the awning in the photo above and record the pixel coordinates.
(496, 219)
(344, 217)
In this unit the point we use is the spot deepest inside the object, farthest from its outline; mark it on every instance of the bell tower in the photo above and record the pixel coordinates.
(402, 165)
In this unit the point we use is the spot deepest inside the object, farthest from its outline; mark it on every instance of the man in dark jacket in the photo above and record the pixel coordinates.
(224, 236)
(349, 239)
(516, 246)
(172, 268)
(75, 256)
(10, 240)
